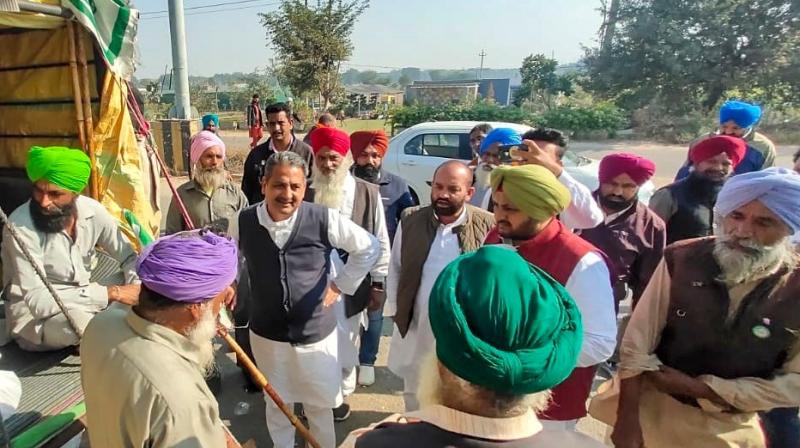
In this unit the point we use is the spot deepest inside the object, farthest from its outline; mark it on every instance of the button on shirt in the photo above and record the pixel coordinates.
(204, 209)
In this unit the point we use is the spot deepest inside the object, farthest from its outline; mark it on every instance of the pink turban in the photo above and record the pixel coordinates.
(734, 147)
(637, 167)
(202, 141)
(335, 139)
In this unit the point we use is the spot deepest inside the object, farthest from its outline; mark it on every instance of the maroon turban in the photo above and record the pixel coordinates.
(637, 167)
(361, 139)
(734, 147)
(335, 139)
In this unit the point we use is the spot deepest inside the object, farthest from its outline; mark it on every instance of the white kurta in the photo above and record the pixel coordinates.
(406, 354)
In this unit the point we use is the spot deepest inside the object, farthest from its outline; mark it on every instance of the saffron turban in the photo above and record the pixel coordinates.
(637, 167)
(532, 188)
(743, 114)
(504, 324)
(202, 141)
(504, 136)
(326, 137)
(63, 167)
(209, 118)
(734, 147)
(778, 189)
(361, 139)
(189, 267)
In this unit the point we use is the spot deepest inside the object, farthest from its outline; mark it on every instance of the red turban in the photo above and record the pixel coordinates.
(361, 139)
(335, 139)
(734, 147)
(637, 167)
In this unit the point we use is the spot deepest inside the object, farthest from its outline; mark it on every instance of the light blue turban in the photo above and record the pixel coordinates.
(504, 136)
(777, 188)
(743, 114)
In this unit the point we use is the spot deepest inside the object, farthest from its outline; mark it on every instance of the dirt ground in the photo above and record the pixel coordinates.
(244, 413)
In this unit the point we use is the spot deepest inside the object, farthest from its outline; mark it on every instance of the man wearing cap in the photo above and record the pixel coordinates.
(142, 369)
(210, 197)
(210, 122)
(505, 332)
(631, 235)
(368, 148)
(61, 229)
(427, 239)
(280, 126)
(738, 119)
(687, 206)
(546, 148)
(713, 339)
(527, 200)
(288, 244)
(333, 186)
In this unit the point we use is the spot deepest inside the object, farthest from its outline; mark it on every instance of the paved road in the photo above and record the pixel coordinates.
(375, 403)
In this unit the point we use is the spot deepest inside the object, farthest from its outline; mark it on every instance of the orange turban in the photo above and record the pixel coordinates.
(361, 139)
(335, 139)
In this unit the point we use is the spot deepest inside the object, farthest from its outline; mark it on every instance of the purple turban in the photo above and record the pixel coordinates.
(189, 267)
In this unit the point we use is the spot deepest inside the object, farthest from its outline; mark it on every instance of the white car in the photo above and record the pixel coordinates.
(415, 153)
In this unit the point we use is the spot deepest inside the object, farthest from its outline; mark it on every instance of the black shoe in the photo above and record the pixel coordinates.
(341, 413)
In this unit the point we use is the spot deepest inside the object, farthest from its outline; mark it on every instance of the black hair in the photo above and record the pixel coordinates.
(275, 108)
(796, 156)
(255, 96)
(150, 300)
(484, 128)
(549, 135)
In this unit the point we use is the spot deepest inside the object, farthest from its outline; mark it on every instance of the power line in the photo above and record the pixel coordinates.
(238, 2)
(198, 13)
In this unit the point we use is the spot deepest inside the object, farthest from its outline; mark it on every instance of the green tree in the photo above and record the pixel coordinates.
(253, 83)
(311, 42)
(368, 77)
(540, 82)
(202, 98)
(688, 54)
(404, 80)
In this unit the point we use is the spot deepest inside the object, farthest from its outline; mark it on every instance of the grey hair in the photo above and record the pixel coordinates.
(284, 158)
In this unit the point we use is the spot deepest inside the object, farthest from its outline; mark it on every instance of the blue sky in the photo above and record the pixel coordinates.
(391, 33)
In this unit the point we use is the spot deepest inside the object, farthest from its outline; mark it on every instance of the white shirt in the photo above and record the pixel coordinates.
(343, 234)
(406, 353)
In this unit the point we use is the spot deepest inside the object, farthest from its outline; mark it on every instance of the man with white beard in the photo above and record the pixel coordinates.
(713, 339)
(211, 199)
(333, 186)
(142, 368)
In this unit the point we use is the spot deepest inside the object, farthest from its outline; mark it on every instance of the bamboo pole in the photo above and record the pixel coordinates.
(87, 111)
(76, 86)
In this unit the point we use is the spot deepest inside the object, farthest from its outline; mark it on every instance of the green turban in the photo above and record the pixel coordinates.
(532, 188)
(64, 167)
(504, 324)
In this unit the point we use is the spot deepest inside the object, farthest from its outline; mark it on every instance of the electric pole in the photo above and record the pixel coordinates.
(180, 69)
(482, 54)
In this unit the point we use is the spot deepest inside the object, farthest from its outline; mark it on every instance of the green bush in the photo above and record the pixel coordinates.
(585, 119)
(407, 116)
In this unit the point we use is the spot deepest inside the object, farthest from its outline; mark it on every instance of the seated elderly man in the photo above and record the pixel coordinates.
(505, 333)
(61, 229)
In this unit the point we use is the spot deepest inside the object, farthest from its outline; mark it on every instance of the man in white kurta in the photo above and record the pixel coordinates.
(287, 244)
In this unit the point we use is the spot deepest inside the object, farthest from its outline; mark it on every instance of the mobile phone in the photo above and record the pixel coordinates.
(506, 152)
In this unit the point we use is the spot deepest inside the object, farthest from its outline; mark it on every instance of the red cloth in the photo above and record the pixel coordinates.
(637, 167)
(734, 147)
(557, 251)
(361, 139)
(335, 139)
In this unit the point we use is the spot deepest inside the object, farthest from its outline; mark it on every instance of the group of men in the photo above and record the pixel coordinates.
(503, 292)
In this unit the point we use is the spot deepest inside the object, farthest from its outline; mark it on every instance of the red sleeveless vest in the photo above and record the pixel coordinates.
(557, 251)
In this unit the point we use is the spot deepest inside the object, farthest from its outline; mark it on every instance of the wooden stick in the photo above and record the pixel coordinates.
(261, 380)
(175, 197)
(87, 111)
(76, 86)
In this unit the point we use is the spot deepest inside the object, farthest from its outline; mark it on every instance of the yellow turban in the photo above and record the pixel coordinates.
(532, 188)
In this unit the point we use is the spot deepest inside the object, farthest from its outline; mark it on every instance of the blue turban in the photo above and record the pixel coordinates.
(504, 136)
(778, 189)
(209, 118)
(743, 114)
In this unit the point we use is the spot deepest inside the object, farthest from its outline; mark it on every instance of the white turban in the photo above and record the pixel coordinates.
(778, 189)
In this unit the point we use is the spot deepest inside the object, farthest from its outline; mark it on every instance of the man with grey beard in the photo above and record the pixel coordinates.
(713, 339)
(210, 197)
(333, 186)
(142, 368)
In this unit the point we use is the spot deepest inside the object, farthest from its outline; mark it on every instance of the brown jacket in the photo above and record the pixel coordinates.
(421, 222)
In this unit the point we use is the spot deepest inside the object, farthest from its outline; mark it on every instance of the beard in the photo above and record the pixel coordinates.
(328, 187)
(483, 175)
(369, 173)
(210, 178)
(742, 260)
(616, 203)
(53, 219)
(202, 337)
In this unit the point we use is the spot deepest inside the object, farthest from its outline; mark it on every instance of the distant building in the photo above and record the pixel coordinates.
(434, 93)
(377, 93)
